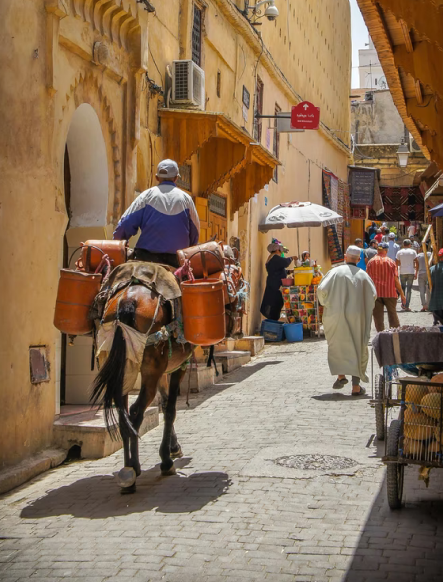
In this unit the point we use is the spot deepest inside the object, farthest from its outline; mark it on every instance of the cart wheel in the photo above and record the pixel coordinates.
(395, 471)
(379, 394)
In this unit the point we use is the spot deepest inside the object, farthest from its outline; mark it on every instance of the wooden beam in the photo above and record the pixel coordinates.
(406, 36)
(418, 93)
(421, 15)
(424, 64)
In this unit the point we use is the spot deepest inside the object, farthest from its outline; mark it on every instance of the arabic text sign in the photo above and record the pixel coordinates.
(305, 115)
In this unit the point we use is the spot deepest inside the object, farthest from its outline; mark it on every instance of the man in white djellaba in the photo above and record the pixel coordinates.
(348, 296)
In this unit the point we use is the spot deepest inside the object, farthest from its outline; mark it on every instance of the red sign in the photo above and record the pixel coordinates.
(305, 115)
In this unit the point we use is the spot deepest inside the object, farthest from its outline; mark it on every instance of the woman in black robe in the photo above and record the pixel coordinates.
(272, 303)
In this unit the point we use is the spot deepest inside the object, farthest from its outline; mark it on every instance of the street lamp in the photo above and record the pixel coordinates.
(403, 154)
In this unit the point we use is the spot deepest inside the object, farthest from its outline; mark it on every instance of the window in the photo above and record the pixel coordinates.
(258, 109)
(276, 143)
(197, 36)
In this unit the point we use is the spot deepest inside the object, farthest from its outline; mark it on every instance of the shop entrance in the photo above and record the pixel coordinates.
(86, 198)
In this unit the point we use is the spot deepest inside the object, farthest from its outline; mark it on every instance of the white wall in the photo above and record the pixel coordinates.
(89, 169)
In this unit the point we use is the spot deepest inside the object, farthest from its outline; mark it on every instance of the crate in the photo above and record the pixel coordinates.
(272, 330)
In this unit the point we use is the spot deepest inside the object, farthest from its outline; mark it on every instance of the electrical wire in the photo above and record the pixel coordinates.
(153, 60)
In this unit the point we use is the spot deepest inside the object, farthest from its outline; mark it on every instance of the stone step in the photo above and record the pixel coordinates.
(232, 360)
(201, 378)
(226, 345)
(252, 343)
(86, 429)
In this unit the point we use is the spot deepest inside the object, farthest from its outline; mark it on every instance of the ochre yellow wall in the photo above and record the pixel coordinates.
(48, 72)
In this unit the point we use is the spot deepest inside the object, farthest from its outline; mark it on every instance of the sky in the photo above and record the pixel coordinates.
(359, 38)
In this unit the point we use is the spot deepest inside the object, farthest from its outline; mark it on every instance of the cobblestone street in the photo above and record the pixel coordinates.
(233, 512)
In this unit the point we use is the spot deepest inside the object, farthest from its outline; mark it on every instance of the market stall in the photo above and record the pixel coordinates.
(301, 302)
(300, 289)
(416, 436)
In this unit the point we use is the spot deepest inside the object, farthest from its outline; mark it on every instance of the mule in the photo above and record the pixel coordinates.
(141, 309)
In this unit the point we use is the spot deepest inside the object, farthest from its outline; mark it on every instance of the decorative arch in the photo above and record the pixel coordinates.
(87, 88)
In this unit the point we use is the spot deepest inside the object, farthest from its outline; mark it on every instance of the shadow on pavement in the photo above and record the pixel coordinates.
(339, 396)
(405, 545)
(222, 383)
(99, 497)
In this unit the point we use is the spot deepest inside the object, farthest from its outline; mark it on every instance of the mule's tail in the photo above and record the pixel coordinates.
(108, 385)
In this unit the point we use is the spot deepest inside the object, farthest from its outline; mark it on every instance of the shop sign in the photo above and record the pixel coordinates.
(217, 205)
(362, 183)
(305, 115)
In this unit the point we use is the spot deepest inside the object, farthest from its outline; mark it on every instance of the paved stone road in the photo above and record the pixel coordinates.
(232, 513)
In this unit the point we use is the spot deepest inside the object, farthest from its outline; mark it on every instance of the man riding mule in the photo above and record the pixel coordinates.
(139, 310)
(166, 217)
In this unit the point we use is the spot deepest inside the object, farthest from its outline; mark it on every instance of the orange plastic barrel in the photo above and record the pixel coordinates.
(76, 292)
(203, 311)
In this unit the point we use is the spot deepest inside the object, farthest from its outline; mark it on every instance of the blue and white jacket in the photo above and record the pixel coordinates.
(167, 218)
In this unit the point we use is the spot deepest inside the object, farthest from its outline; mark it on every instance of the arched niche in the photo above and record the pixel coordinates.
(88, 167)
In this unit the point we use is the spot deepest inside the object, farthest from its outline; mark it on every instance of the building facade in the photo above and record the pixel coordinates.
(89, 106)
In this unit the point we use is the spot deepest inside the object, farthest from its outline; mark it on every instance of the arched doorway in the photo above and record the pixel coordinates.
(86, 198)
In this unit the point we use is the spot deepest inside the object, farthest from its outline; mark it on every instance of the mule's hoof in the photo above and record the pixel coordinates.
(178, 454)
(128, 490)
(169, 472)
(126, 477)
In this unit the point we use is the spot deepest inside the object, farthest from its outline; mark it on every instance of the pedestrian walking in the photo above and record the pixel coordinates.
(379, 235)
(415, 243)
(386, 233)
(422, 275)
(362, 262)
(384, 274)
(406, 261)
(371, 252)
(372, 231)
(436, 302)
(393, 247)
(348, 296)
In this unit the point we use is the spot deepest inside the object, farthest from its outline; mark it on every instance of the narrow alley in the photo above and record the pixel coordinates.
(281, 480)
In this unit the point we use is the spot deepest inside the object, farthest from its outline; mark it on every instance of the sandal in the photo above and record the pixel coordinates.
(338, 384)
(361, 393)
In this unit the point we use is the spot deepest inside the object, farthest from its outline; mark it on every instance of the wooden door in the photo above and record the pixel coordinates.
(218, 227)
(201, 204)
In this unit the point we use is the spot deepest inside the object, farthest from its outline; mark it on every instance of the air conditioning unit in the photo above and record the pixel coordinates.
(413, 145)
(188, 85)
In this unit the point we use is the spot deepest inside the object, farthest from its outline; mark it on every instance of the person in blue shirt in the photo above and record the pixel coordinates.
(166, 216)
(362, 262)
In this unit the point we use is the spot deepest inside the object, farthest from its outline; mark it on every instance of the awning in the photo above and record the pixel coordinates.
(226, 152)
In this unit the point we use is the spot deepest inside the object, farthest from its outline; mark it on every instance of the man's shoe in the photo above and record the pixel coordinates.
(339, 383)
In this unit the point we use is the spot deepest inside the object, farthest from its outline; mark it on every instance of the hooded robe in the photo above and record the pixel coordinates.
(348, 296)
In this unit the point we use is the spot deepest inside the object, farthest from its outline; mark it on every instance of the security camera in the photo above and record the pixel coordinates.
(271, 12)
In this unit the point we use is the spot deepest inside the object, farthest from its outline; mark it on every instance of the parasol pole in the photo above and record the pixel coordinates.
(298, 243)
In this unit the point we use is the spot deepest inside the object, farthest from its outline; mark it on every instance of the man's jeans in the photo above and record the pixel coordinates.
(423, 285)
(406, 284)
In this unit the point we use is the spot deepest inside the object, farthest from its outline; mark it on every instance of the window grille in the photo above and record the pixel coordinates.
(197, 36)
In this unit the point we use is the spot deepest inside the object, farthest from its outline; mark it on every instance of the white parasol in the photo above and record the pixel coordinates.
(299, 215)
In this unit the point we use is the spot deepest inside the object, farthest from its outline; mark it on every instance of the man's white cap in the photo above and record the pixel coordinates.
(353, 251)
(391, 235)
(167, 169)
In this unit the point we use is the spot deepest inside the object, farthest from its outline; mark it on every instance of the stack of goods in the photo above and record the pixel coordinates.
(422, 420)
(300, 303)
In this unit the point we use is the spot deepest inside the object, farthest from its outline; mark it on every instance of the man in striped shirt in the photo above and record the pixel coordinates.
(383, 272)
